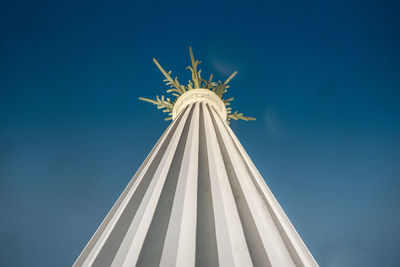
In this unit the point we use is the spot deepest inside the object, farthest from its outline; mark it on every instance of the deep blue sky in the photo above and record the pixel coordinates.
(322, 78)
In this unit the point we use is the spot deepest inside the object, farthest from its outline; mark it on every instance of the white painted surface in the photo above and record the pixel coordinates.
(157, 221)
(199, 95)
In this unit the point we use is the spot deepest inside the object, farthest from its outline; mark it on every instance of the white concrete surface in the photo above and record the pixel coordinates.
(197, 200)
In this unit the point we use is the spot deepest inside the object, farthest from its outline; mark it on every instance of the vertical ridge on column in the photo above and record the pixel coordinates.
(256, 248)
(128, 252)
(99, 245)
(265, 229)
(206, 243)
(295, 245)
(231, 243)
(150, 254)
(180, 243)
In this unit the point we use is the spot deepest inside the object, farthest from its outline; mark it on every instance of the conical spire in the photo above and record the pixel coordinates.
(197, 200)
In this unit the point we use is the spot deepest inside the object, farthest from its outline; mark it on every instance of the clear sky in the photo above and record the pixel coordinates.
(322, 78)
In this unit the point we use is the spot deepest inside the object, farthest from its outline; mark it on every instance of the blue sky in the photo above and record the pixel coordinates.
(321, 77)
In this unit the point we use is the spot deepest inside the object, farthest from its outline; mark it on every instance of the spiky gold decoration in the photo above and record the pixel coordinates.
(177, 89)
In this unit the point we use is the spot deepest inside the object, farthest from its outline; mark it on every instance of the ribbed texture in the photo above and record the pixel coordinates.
(197, 200)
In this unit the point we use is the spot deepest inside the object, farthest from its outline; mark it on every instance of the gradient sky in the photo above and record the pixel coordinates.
(322, 78)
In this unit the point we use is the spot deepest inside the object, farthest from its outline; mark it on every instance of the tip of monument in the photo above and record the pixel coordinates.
(176, 90)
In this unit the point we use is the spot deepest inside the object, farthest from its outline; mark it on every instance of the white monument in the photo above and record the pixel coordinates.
(197, 199)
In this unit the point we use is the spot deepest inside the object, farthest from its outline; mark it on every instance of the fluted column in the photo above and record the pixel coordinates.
(197, 200)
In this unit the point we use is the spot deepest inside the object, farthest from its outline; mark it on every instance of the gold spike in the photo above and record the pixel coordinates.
(176, 89)
(230, 77)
